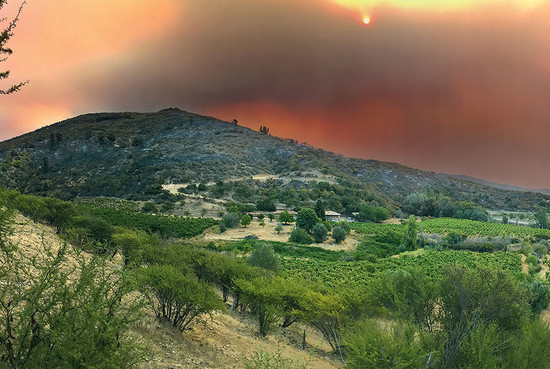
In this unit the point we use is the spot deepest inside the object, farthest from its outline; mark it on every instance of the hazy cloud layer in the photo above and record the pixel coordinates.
(463, 91)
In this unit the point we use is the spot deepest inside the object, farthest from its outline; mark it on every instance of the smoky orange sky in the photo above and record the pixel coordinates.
(448, 86)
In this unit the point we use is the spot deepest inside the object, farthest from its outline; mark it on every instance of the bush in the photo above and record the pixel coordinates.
(177, 296)
(265, 204)
(299, 235)
(286, 218)
(245, 220)
(339, 234)
(264, 360)
(149, 207)
(231, 220)
(264, 257)
(319, 233)
(67, 316)
(532, 260)
(372, 346)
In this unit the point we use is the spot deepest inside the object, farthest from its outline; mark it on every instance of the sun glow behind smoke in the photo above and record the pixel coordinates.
(431, 5)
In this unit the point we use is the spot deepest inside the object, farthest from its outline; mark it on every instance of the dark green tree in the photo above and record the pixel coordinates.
(320, 209)
(299, 235)
(339, 234)
(319, 232)
(306, 219)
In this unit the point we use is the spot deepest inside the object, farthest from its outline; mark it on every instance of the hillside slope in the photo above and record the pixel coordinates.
(223, 341)
(130, 155)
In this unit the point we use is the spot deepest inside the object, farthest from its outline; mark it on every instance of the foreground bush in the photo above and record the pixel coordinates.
(70, 314)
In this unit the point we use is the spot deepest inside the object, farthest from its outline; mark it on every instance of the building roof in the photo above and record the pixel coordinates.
(332, 213)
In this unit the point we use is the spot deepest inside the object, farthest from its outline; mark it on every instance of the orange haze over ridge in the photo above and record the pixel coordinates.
(449, 86)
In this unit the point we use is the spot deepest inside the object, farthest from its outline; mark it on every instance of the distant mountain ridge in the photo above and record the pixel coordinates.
(501, 186)
(130, 155)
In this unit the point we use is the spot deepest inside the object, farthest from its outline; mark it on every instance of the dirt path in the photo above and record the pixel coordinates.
(305, 177)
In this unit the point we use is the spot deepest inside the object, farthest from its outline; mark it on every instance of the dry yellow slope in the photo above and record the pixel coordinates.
(221, 341)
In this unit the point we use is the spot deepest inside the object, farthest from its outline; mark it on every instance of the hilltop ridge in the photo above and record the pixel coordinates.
(131, 155)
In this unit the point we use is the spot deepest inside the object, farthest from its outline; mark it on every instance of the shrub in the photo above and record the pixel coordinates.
(67, 316)
(231, 220)
(177, 296)
(265, 204)
(372, 346)
(286, 218)
(299, 235)
(264, 360)
(532, 260)
(245, 220)
(339, 234)
(319, 232)
(279, 228)
(149, 207)
(264, 257)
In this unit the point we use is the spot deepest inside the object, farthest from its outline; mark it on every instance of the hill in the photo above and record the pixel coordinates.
(502, 186)
(131, 155)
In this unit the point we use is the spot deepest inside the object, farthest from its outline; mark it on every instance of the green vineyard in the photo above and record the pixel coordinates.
(357, 273)
(470, 228)
(165, 225)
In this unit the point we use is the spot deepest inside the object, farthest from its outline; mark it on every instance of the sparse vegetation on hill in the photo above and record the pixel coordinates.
(145, 151)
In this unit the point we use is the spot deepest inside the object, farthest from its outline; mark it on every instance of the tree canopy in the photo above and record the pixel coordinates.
(5, 51)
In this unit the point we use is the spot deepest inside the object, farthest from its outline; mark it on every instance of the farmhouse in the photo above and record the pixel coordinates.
(333, 216)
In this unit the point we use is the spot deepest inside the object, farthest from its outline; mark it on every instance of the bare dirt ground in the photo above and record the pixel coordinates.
(268, 233)
(228, 341)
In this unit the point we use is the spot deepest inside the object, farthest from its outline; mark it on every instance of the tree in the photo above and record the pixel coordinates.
(541, 218)
(263, 295)
(265, 204)
(472, 299)
(410, 240)
(299, 235)
(319, 232)
(264, 257)
(5, 51)
(264, 130)
(149, 207)
(320, 209)
(178, 296)
(339, 234)
(306, 219)
(245, 220)
(279, 228)
(286, 218)
(231, 220)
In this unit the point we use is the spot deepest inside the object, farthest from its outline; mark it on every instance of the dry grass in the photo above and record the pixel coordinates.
(268, 233)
